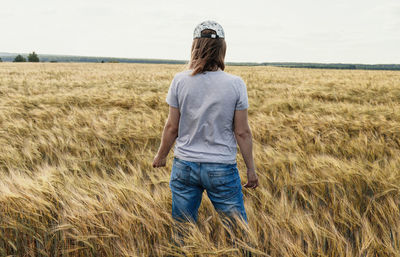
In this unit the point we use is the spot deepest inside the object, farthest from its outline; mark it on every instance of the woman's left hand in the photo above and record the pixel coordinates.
(159, 161)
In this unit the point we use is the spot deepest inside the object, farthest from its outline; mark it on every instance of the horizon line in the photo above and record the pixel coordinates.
(181, 60)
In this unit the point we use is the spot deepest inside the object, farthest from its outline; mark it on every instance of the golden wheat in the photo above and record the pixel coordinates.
(77, 143)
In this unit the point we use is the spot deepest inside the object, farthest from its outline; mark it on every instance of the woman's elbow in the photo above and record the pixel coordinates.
(173, 129)
(243, 133)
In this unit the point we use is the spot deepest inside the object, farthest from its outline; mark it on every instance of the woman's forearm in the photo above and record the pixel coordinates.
(245, 143)
(168, 138)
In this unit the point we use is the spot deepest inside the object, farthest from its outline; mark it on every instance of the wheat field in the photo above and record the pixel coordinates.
(77, 143)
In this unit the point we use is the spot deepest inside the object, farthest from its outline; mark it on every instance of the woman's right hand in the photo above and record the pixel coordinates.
(252, 179)
(159, 161)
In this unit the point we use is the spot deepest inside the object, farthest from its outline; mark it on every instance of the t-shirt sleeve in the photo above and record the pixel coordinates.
(242, 101)
(172, 96)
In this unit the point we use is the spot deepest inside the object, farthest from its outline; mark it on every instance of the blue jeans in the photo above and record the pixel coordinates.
(221, 181)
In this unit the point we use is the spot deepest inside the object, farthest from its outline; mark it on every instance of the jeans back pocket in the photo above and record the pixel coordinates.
(180, 172)
(225, 182)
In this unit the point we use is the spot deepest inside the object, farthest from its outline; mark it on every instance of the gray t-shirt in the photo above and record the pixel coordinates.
(207, 103)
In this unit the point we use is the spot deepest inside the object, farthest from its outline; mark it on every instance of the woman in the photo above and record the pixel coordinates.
(207, 117)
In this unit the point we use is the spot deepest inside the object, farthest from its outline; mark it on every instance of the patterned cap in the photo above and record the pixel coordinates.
(209, 25)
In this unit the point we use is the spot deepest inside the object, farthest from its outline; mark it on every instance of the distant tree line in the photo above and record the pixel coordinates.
(335, 66)
(19, 58)
(32, 57)
(66, 58)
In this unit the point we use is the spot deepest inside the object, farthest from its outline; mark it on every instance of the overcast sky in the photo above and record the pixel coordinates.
(347, 31)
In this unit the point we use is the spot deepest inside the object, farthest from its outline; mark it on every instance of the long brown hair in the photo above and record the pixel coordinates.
(208, 54)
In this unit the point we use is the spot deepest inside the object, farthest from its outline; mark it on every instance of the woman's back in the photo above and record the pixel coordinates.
(207, 103)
